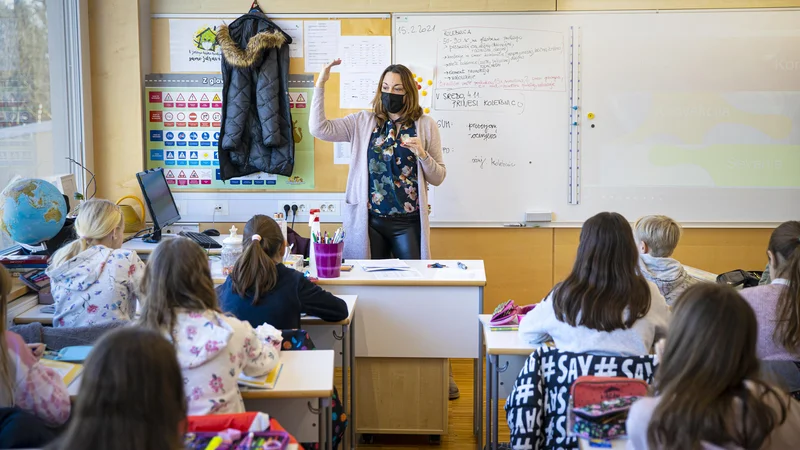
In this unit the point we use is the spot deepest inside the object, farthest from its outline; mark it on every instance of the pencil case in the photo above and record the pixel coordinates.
(76, 354)
(508, 313)
(604, 420)
(263, 440)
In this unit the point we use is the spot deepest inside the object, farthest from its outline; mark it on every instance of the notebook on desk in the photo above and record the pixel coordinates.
(267, 381)
(67, 371)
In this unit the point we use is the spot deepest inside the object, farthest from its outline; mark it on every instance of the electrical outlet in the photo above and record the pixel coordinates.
(220, 208)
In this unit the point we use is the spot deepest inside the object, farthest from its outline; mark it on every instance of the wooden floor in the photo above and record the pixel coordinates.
(461, 436)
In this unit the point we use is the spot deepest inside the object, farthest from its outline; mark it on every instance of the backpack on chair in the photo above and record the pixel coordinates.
(740, 279)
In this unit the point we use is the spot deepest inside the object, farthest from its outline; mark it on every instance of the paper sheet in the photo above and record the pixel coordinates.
(293, 28)
(321, 43)
(365, 54)
(398, 275)
(357, 89)
(193, 45)
(341, 152)
(383, 264)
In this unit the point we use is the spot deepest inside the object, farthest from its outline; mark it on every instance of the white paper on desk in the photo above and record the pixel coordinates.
(357, 89)
(448, 273)
(321, 43)
(398, 275)
(365, 54)
(341, 152)
(375, 265)
(294, 28)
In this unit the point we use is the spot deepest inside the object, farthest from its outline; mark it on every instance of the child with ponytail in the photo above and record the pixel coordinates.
(262, 290)
(777, 305)
(93, 280)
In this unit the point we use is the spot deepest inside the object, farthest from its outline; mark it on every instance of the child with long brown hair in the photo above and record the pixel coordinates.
(213, 349)
(777, 305)
(24, 382)
(94, 281)
(604, 306)
(708, 391)
(262, 290)
(131, 396)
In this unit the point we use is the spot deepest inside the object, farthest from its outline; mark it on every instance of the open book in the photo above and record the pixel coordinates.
(264, 382)
(376, 265)
(67, 371)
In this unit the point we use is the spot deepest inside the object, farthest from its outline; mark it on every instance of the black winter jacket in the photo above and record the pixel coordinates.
(256, 132)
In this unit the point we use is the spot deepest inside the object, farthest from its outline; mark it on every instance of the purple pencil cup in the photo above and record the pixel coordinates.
(329, 259)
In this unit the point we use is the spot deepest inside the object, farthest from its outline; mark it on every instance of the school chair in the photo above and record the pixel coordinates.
(536, 409)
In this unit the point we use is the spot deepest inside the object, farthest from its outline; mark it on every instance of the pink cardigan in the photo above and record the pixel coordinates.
(764, 301)
(357, 129)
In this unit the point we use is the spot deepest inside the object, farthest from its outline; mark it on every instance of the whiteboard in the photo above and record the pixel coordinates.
(696, 113)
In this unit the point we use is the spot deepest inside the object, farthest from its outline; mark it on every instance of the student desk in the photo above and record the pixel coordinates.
(144, 248)
(301, 400)
(505, 345)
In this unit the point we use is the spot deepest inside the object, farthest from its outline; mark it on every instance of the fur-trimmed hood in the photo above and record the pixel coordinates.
(250, 55)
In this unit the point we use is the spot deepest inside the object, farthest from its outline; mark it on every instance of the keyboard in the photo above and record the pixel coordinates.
(202, 239)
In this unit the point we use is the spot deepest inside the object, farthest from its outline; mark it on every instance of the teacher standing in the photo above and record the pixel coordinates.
(395, 152)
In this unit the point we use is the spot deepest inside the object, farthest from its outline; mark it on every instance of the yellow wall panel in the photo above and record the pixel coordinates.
(116, 96)
(518, 262)
(605, 5)
(348, 6)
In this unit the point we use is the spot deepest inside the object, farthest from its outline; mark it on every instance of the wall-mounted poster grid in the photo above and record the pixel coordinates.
(183, 118)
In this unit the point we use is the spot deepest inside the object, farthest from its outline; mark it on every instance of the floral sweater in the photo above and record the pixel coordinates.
(95, 287)
(37, 389)
(213, 349)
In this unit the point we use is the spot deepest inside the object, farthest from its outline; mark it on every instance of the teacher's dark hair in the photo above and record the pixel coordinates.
(605, 290)
(411, 111)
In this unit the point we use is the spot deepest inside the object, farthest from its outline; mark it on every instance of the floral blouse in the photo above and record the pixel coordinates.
(38, 389)
(213, 349)
(392, 172)
(97, 286)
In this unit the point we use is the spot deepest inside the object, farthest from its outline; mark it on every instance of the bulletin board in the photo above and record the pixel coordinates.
(328, 177)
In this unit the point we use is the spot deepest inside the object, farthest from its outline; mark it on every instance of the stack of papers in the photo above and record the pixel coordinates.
(377, 265)
(264, 382)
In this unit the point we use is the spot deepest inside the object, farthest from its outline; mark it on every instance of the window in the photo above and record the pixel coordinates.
(38, 108)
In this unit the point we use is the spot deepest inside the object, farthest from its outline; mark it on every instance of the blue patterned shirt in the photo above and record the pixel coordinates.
(393, 187)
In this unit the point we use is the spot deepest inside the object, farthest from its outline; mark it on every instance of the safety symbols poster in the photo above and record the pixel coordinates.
(183, 118)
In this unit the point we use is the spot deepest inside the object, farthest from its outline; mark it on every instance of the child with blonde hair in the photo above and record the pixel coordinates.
(213, 348)
(93, 280)
(657, 237)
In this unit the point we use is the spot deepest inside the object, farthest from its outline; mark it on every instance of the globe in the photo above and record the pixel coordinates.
(32, 211)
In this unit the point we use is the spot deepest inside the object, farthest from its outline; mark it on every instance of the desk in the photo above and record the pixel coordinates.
(700, 274)
(145, 248)
(301, 400)
(35, 314)
(497, 344)
(407, 329)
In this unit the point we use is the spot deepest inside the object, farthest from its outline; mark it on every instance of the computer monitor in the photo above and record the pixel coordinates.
(159, 201)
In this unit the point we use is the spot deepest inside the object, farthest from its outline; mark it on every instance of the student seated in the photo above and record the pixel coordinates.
(213, 349)
(24, 382)
(777, 305)
(604, 306)
(93, 280)
(708, 393)
(131, 396)
(657, 237)
(262, 290)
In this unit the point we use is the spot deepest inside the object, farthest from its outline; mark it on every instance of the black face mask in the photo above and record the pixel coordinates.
(392, 102)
